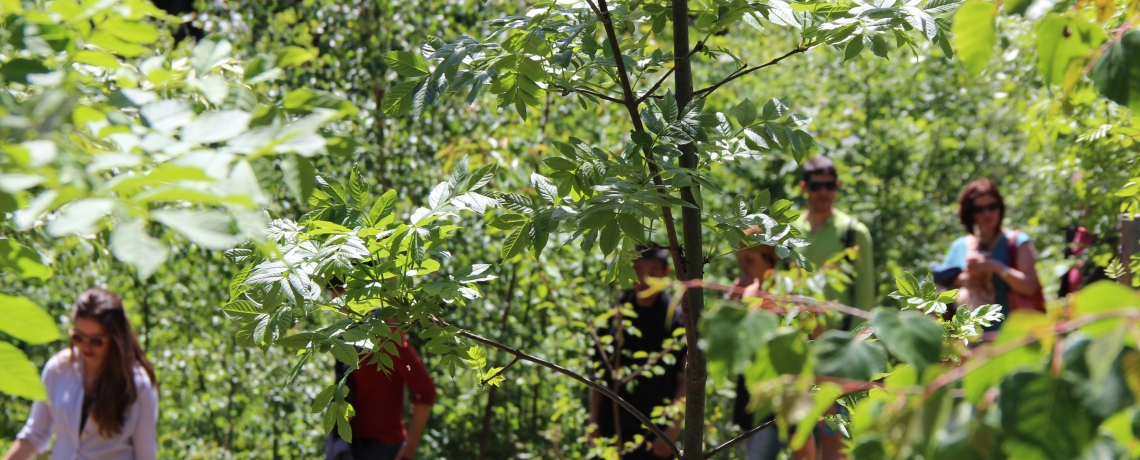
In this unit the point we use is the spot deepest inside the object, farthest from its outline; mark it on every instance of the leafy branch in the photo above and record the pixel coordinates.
(518, 354)
(747, 70)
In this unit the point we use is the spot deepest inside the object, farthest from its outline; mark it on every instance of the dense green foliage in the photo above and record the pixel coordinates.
(492, 156)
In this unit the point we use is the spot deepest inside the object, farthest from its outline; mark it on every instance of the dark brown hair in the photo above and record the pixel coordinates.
(973, 191)
(115, 388)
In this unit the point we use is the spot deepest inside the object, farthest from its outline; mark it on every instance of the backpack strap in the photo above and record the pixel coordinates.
(848, 242)
(1011, 249)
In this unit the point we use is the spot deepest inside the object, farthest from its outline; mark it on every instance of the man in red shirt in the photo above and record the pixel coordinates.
(378, 430)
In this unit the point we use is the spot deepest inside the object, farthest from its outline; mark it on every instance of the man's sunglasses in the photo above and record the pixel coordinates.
(830, 185)
(987, 208)
(80, 339)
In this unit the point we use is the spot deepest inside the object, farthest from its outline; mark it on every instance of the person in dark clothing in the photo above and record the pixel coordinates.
(656, 323)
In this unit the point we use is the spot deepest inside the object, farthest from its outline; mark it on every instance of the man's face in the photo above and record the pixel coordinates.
(648, 268)
(753, 263)
(820, 190)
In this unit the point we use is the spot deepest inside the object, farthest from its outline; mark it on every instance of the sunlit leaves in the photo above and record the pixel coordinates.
(975, 35)
(20, 377)
(26, 321)
(912, 337)
(1063, 45)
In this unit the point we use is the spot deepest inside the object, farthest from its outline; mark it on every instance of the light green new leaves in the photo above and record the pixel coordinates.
(130, 243)
(26, 321)
(20, 377)
(1063, 45)
(21, 261)
(1117, 74)
(975, 35)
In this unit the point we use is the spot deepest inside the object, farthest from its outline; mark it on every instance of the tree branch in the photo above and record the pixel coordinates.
(631, 104)
(742, 437)
(742, 72)
(665, 77)
(576, 376)
(500, 371)
(592, 93)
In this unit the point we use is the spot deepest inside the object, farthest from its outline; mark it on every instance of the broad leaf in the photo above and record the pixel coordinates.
(1116, 74)
(19, 377)
(1042, 414)
(974, 34)
(26, 321)
(911, 336)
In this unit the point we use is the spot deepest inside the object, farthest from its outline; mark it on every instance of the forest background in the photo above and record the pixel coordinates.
(908, 131)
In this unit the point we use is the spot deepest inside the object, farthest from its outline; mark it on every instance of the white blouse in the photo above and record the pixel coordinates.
(61, 414)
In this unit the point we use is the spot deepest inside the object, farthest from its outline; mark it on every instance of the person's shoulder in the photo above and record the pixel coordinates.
(62, 361)
(1022, 237)
(961, 241)
(142, 379)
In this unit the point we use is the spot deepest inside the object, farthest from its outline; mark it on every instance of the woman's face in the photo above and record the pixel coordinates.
(987, 212)
(91, 339)
(753, 263)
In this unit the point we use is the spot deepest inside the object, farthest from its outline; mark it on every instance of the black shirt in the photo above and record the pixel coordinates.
(642, 392)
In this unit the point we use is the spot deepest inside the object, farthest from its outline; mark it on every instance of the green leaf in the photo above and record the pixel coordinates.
(1018, 7)
(516, 242)
(880, 47)
(345, 353)
(1043, 415)
(209, 229)
(19, 377)
(292, 56)
(383, 206)
(1116, 75)
(18, 69)
(398, 100)
(137, 32)
(131, 244)
(300, 176)
(80, 217)
(610, 237)
(838, 354)
(96, 58)
(853, 48)
(745, 113)
(1103, 297)
(407, 65)
(735, 334)
(907, 284)
(216, 127)
(975, 35)
(910, 336)
(1064, 42)
(21, 261)
(762, 201)
(788, 353)
(208, 53)
(26, 321)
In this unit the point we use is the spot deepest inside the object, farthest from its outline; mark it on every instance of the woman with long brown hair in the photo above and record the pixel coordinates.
(102, 393)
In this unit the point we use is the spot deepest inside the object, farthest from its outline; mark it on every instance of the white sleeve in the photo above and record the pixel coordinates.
(38, 429)
(145, 437)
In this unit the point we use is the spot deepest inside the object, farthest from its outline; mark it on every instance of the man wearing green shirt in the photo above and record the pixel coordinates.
(832, 231)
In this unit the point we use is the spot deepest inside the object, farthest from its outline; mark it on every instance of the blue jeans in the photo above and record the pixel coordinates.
(359, 449)
(764, 445)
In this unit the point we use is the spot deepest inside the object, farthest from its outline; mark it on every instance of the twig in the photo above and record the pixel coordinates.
(576, 376)
(742, 72)
(742, 437)
(592, 93)
(669, 72)
(500, 371)
(809, 304)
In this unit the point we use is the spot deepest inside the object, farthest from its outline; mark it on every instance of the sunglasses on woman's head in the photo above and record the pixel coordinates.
(95, 341)
(987, 208)
(830, 185)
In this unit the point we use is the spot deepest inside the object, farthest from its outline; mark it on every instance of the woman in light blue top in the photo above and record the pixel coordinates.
(984, 255)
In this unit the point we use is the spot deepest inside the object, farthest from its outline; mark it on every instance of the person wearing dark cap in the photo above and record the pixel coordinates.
(632, 351)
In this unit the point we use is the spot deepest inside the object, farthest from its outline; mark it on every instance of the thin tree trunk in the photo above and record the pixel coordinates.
(694, 264)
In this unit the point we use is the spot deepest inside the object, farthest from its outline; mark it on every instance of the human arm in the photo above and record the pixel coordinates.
(420, 414)
(411, 368)
(145, 437)
(21, 450)
(1022, 279)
